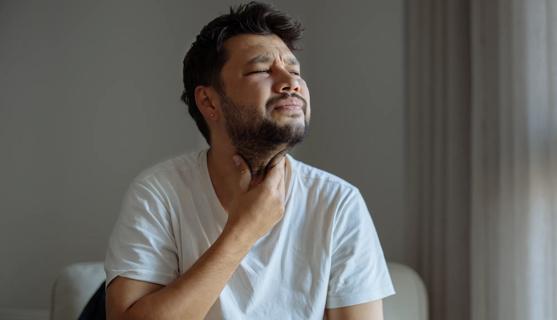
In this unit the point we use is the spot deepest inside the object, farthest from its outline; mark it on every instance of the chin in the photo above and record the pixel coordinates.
(296, 121)
(295, 128)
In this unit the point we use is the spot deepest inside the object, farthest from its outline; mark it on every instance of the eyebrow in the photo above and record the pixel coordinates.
(266, 58)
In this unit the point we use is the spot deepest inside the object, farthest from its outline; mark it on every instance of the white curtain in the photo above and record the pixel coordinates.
(482, 156)
(514, 159)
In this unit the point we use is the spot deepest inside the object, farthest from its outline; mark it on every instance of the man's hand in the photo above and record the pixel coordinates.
(257, 205)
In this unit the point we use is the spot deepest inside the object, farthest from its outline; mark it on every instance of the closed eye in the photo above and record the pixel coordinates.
(259, 71)
(296, 73)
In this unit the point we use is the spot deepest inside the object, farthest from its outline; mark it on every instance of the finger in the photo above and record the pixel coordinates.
(275, 174)
(281, 187)
(276, 159)
(244, 171)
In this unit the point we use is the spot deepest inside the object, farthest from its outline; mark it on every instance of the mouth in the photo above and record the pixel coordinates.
(289, 104)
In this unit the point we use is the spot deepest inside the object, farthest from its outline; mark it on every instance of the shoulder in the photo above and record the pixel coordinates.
(322, 182)
(155, 192)
(182, 166)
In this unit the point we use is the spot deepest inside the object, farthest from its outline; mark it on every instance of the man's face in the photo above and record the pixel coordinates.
(265, 102)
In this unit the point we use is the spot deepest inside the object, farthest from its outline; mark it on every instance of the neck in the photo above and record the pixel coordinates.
(224, 174)
(260, 164)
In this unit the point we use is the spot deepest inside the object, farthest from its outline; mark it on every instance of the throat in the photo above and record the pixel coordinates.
(261, 164)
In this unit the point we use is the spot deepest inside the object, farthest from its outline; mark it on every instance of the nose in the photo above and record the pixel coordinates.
(286, 82)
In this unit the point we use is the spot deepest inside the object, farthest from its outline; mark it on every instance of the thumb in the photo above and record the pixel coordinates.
(275, 176)
(244, 171)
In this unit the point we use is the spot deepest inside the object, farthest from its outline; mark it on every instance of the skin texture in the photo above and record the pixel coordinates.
(258, 70)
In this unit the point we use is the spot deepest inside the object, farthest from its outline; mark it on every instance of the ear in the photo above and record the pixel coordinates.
(207, 101)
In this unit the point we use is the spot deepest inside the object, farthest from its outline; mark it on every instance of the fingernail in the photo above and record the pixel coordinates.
(236, 160)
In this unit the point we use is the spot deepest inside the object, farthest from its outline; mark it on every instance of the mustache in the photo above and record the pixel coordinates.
(283, 96)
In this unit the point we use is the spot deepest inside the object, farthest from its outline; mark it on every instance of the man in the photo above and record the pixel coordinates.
(242, 230)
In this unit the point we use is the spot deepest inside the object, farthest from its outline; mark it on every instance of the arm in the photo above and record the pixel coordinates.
(192, 294)
(188, 297)
(365, 311)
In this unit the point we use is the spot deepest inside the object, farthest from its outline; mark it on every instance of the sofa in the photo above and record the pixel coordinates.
(77, 283)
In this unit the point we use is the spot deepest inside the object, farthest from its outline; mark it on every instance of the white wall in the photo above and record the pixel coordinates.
(90, 96)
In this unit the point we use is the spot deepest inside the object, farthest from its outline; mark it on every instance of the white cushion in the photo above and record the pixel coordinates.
(73, 288)
(410, 301)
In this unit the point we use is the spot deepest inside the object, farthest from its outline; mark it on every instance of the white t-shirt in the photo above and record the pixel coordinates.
(324, 253)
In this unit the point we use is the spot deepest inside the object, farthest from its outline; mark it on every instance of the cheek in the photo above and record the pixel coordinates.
(305, 91)
(253, 93)
(305, 94)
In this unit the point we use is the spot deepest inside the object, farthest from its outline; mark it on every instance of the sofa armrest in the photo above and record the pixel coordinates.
(73, 288)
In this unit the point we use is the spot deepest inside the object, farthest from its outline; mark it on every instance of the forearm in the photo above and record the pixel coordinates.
(369, 311)
(192, 294)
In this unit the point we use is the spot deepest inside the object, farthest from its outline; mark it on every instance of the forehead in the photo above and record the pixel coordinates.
(246, 48)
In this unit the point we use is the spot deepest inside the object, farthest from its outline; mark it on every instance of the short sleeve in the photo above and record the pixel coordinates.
(142, 245)
(359, 271)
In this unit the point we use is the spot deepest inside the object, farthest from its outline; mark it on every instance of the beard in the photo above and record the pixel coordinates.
(256, 137)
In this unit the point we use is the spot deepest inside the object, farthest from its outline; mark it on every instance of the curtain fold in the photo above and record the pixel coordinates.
(514, 160)
(437, 117)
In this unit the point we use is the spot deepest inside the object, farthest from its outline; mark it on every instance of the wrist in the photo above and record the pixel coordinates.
(236, 240)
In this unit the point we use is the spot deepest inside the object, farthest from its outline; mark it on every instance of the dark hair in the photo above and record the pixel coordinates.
(206, 57)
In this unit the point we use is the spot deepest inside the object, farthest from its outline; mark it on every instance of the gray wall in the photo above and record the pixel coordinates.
(354, 69)
(90, 96)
